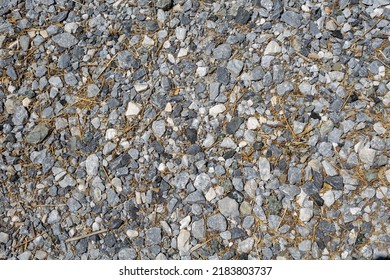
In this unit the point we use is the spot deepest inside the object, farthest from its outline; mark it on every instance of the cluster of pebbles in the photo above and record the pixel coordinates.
(194, 129)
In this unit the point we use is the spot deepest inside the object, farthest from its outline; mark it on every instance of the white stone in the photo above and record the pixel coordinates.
(185, 222)
(328, 198)
(148, 41)
(228, 207)
(329, 169)
(208, 141)
(71, 27)
(305, 214)
(181, 33)
(217, 109)
(183, 242)
(378, 127)
(387, 175)
(355, 210)
(210, 195)
(182, 52)
(141, 87)
(246, 245)
(111, 133)
(265, 169)
(252, 123)
(367, 155)
(201, 71)
(272, 48)
(133, 109)
(92, 165)
(228, 143)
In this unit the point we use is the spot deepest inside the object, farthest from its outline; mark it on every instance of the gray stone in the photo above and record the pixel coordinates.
(56, 82)
(217, 222)
(326, 149)
(373, 67)
(274, 221)
(304, 245)
(40, 71)
(37, 134)
(191, 134)
(20, 116)
(126, 60)
(65, 40)
(222, 75)
(291, 18)
(11, 73)
(284, 88)
(24, 42)
(164, 4)
(73, 205)
(54, 217)
(25, 256)
(68, 181)
(278, 74)
(294, 175)
(195, 197)
(92, 165)
(336, 182)
(198, 229)
(378, 143)
(248, 222)
(181, 180)
(112, 197)
(223, 52)
(153, 236)
(234, 125)
(127, 254)
(92, 90)
(228, 207)
(235, 66)
(242, 16)
(4, 237)
(305, 214)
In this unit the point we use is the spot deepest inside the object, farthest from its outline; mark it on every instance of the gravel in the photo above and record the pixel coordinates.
(192, 129)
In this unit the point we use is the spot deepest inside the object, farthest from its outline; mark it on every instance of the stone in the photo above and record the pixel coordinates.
(92, 165)
(92, 90)
(11, 73)
(304, 245)
(65, 40)
(264, 169)
(127, 254)
(56, 82)
(164, 5)
(291, 18)
(305, 214)
(222, 52)
(234, 125)
(328, 198)
(367, 155)
(54, 217)
(37, 134)
(198, 229)
(235, 66)
(217, 223)
(228, 207)
(246, 245)
(181, 33)
(294, 175)
(252, 123)
(158, 128)
(183, 242)
(284, 88)
(73, 205)
(272, 48)
(242, 16)
(202, 182)
(133, 109)
(153, 236)
(191, 134)
(336, 182)
(4, 237)
(20, 116)
(222, 75)
(217, 109)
